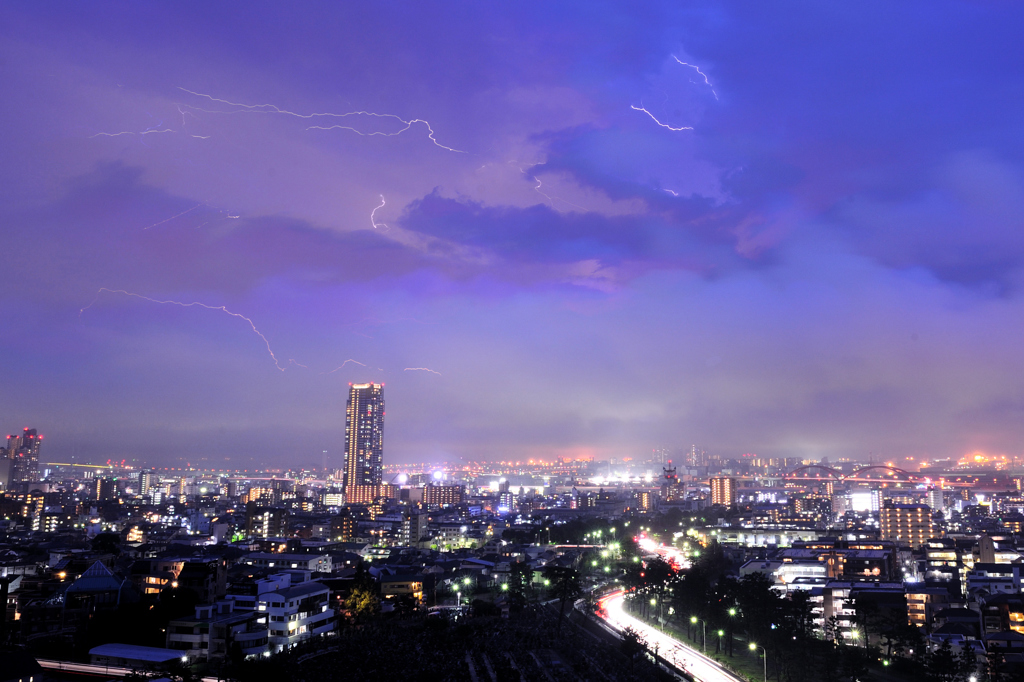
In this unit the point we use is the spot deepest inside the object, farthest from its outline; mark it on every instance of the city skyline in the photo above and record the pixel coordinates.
(552, 232)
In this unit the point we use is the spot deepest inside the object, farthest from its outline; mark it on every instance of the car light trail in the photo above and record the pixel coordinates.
(701, 668)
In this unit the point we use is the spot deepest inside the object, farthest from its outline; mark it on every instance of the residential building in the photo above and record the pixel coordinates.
(296, 608)
(215, 630)
(315, 563)
(443, 495)
(723, 490)
(907, 523)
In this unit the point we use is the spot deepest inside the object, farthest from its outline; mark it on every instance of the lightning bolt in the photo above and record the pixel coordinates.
(274, 109)
(130, 132)
(663, 125)
(189, 305)
(421, 369)
(374, 212)
(174, 216)
(343, 364)
(697, 69)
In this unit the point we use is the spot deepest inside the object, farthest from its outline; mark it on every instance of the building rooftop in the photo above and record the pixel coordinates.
(299, 590)
(151, 654)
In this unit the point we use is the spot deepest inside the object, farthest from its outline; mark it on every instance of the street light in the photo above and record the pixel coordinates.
(704, 630)
(754, 647)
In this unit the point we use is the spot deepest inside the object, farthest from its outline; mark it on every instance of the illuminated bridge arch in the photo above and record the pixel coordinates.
(896, 471)
(801, 473)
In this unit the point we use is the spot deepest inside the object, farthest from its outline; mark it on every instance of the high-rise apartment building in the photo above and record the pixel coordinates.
(364, 435)
(907, 523)
(723, 490)
(23, 451)
(443, 495)
(148, 483)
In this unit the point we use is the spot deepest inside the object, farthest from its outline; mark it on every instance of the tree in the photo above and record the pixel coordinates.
(109, 543)
(942, 665)
(519, 581)
(565, 586)
(362, 603)
(633, 645)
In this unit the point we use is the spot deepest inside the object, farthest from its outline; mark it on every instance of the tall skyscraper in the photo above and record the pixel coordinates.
(23, 451)
(364, 435)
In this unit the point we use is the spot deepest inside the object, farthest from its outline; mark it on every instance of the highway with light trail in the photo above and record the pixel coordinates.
(695, 664)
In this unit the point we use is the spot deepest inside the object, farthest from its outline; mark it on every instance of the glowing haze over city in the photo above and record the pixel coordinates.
(550, 230)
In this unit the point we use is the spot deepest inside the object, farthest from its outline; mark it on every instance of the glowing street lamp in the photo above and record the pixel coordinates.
(754, 647)
(704, 632)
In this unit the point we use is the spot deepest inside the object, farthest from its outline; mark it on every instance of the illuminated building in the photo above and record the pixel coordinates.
(368, 494)
(670, 488)
(723, 490)
(265, 522)
(364, 436)
(644, 500)
(105, 489)
(908, 523)
(296, 607)
(148, 483)
(23, 451)
(414, 527)
(343, 528)
(397, 586)
(443, 495)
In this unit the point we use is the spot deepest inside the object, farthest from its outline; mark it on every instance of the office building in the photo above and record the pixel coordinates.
(364, 436)
(723, 490)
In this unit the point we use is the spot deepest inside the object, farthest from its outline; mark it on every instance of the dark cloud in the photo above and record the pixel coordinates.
(810, 246)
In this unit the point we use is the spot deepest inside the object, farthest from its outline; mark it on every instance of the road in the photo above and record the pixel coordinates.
(702, 668)
(97, 670)
(668, 553)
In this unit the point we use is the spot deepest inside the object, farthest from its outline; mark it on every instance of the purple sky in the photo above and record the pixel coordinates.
(793, 229)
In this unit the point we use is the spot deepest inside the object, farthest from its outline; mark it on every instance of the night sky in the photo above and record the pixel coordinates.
(551, 229)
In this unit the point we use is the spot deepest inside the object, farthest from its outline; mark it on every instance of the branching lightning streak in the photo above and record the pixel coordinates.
(274, 109)
(167, 220)
(697, 69)
(408, 124)
(663, 125)
(551, 199)
(343, 364)
(374, 212)
(189, 305)
(421, 369)
(129, 132)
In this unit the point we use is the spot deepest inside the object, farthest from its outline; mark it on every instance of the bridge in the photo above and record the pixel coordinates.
(820, 472)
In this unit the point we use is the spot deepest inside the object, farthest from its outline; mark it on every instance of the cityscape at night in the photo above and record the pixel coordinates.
(700, 326)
